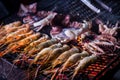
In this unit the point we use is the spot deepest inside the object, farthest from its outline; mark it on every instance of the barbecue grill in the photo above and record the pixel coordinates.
(103, 68)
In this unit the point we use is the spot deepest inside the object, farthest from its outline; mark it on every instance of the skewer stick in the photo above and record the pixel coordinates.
(92, 7)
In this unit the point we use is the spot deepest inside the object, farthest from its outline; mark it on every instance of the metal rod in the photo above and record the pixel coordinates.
(92, 7)
(104, 5)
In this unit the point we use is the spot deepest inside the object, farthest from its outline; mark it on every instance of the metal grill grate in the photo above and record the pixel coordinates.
(79, 10)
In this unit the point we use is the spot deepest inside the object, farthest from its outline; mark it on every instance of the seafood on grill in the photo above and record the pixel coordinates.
(13, 47)
(39, 57)
(14, 35)
(42, 45)
(15, 38)
(64, 56)
(107, 35)
(100, 43)
(45, 52)
(83, 63)
(108, 46)
(44, 22)
(69, 34)
(9, 28)
(104, 29)
(73, 59)
(16, 24)
(93, 48)
(54, 54)
(14, 29)
(24, 56)
(33, 44)
(107, 38)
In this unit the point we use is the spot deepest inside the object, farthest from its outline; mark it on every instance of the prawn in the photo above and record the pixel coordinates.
(56, 52)
(15, 38)
(45, 51)
(35, 43)
(16, 24)
(12, 29)
(73, 59)
(22, 43)
(64, 56)
(42, 45)
(10, 36)
(83, 63)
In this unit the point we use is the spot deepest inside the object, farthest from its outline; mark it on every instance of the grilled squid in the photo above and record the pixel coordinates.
(68, 34)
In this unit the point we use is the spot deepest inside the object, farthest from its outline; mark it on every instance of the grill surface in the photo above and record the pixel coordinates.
(100, 70)
(77, 9)
(81, 11)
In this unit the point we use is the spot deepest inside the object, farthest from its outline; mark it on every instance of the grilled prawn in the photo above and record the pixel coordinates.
(73, 59)
(83, 63)
(55, 53)
(42, 45)
(64, 56)
(35, 43)
(16, 24)
(12, 29)
(13, 35)
(44, 52)
(13, 47)
(14, 38)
